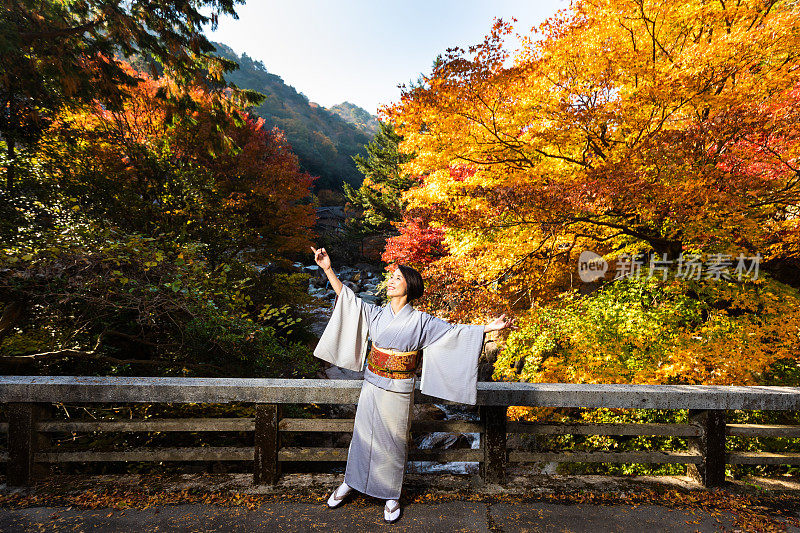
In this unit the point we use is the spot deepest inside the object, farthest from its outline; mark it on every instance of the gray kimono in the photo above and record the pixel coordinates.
(378, 451)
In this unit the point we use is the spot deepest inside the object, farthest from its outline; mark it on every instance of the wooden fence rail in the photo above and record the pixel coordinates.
(27, 398)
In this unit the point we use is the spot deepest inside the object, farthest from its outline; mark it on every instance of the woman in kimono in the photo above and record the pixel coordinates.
(378, 451)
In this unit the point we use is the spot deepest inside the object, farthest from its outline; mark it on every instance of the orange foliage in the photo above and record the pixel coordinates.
(628, 126)
(197, 170)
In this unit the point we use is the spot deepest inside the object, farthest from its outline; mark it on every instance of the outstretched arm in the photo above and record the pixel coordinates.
(323, 260)
(434, 328)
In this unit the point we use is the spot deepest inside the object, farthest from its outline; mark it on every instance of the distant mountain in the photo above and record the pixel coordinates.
(323, 141)
(357, 116)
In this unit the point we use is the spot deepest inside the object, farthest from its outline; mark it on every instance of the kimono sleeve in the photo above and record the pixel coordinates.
(450, 360)
(344, 341)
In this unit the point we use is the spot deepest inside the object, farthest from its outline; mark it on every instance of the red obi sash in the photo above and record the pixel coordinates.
(392, 364)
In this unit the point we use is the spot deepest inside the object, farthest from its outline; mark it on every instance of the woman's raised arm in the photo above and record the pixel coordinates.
(323, 260)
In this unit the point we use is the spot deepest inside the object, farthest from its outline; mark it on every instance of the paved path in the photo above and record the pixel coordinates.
(442, 504)
(364, 515)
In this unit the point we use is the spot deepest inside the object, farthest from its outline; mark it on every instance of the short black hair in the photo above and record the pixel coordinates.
(415, 285)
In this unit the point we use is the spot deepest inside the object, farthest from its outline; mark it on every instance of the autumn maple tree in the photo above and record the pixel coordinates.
(58, 54)
(157, 214)
(146, 169)
(620, 127)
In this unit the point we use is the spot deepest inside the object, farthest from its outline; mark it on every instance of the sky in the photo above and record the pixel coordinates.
(360, 50)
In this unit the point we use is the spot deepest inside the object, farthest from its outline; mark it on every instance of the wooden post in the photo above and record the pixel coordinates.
(494, 444)
(22, 441)
(265, 468)
(711, 446)
(44, 441)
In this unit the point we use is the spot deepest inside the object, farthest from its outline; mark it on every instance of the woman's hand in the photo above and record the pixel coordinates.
(499, 323)
(322, 258)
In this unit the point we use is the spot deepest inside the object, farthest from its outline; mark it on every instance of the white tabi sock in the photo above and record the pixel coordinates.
(340, 492)
(391, 504)
(343, 489)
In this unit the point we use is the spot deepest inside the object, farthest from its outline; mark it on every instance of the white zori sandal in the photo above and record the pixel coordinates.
(338, 495)
(392, 511)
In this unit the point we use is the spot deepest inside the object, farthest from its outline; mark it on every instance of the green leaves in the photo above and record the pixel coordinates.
(281, 318)
(641, 330)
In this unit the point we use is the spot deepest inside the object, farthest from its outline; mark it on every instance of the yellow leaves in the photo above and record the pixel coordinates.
(607, 120)
(786, 240)
(120, 277)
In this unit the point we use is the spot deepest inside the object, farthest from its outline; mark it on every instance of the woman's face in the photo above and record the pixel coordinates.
(396, 285)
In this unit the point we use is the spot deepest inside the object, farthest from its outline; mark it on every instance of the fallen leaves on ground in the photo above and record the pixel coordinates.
(765, 512)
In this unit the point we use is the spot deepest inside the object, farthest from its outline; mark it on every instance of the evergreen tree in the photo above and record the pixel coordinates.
(380, 195)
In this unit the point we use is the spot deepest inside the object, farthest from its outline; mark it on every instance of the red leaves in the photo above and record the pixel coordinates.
(417, 244)
(240, 182)
(461, 172)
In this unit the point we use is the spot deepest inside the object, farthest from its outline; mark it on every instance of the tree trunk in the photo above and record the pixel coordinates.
(673, 249)
(10, 171)
(11, 143)
(10, 316)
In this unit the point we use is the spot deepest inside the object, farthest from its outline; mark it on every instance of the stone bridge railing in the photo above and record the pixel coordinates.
(706, 430)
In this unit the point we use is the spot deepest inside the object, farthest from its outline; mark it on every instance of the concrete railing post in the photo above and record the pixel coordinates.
(495, 453)
(710, 445)
(265, 468)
